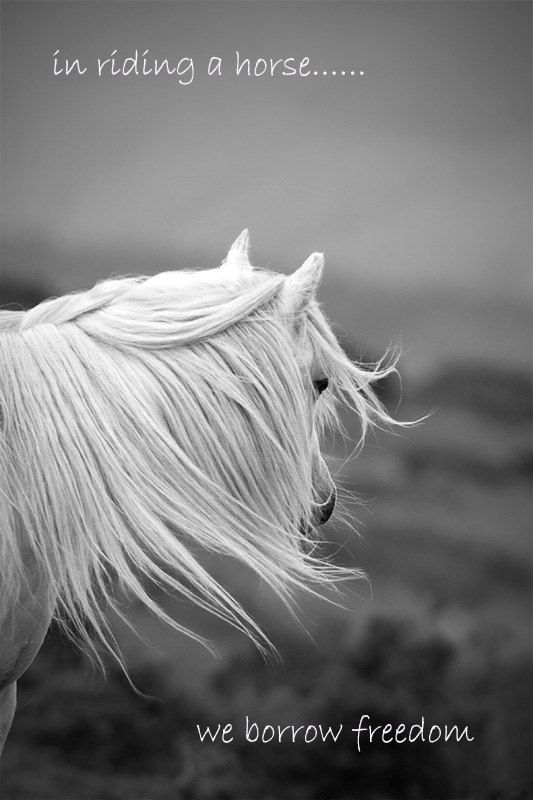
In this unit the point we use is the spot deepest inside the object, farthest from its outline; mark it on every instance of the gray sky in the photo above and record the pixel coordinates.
(416, 175)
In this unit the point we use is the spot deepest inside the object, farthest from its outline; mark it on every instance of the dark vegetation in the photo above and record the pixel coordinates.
(75, 737)
(446, 636)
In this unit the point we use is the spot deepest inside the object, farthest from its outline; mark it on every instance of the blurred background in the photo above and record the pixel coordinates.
(415, 179)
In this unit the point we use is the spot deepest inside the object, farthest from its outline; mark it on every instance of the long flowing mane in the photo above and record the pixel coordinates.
(149, 418)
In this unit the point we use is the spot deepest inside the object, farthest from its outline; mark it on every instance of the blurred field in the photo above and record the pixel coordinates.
(442, 630)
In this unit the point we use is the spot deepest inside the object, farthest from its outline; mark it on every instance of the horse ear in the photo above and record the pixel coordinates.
(301, 286)
(237, 258)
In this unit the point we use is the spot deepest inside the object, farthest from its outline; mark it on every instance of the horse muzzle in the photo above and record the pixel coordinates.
(323, 511)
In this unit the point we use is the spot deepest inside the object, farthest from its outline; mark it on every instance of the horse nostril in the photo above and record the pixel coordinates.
(327, 508)
(321, 513)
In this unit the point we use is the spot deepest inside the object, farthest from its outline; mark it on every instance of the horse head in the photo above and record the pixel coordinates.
(151, 417)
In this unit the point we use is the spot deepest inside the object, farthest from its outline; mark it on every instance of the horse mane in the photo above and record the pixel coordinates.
(152, 417)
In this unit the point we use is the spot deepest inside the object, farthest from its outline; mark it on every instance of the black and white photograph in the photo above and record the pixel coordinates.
(266, 400)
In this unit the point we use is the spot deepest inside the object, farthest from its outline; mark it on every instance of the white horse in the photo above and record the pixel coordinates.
(149, 417)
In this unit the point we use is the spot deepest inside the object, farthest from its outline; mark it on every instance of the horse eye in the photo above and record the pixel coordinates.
(321, 385)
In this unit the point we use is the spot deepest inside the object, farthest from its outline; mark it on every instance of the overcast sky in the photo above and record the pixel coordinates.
(416, 174)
